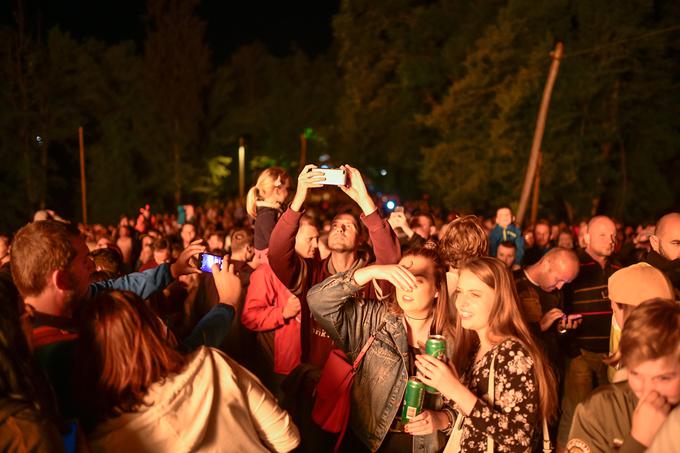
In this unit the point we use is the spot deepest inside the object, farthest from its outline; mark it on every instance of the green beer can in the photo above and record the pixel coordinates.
(413, 400)
(435, 347)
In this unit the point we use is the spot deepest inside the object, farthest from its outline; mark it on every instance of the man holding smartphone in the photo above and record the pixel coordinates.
(299, 274)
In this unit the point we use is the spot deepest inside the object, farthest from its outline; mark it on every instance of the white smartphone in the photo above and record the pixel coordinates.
(334, 176)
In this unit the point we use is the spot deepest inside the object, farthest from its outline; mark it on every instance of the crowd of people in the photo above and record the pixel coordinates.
(557, 337)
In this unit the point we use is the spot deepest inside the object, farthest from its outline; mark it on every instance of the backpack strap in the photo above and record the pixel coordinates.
(363, 351)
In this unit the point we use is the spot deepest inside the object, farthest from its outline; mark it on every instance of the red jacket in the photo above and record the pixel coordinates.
(263, 310)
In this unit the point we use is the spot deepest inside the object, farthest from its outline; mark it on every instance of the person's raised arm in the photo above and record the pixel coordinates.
(214, 326)
(285, 263)
(385, 242)
(349, 324)
(309, 178)
(146, 283)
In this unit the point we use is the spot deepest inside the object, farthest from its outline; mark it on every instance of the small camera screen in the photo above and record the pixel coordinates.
(207, 261)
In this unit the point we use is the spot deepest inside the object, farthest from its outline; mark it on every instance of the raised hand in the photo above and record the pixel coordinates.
(183, 266)
(309, 178)
(356, 189)
(398, 275)
(397, 220)
(227, 283)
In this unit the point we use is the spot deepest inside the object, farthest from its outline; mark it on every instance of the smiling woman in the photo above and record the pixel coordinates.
(493, 350)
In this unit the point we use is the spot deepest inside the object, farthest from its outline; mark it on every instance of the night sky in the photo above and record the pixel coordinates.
(281, 26)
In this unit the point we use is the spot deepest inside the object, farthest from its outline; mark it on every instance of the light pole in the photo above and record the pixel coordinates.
(241, 167)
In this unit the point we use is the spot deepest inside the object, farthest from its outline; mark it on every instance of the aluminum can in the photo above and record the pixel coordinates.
(435, 347)
(413, 400)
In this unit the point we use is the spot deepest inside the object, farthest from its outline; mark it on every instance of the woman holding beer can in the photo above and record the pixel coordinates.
(499, 381)
(386, 400)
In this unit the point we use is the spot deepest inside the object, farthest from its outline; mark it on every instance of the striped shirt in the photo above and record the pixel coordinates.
(588, 294)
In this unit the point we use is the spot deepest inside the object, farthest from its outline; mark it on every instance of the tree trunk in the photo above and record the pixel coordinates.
(538, 132)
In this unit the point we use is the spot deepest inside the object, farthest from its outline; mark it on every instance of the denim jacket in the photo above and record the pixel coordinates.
(380, 382)
(144, 284)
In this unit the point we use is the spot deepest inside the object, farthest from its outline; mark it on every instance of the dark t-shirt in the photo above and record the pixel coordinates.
(534, 303)
(264, 225)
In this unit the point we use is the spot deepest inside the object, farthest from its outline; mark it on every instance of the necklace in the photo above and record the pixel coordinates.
(418, 319)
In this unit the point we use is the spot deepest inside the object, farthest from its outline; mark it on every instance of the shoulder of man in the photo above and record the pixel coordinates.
(602, 421)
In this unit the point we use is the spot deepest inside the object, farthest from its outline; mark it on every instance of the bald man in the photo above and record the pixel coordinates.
(665, 253)
(586, 297)
(539, 287)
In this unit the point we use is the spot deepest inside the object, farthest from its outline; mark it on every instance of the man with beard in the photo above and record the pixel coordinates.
(587, 296)
(541, 243)
(665, 253)
(51, 268)
(299, 274)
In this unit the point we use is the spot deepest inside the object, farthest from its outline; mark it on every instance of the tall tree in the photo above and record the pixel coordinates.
(177, 72)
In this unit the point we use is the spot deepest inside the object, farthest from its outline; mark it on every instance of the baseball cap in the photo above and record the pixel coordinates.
(635, 284)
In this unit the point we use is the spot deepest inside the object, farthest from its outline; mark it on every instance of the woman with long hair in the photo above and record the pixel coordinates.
(492, 347)
(146, 396)
(401, 325)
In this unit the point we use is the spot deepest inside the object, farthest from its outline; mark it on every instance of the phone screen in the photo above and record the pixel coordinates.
(206, 261)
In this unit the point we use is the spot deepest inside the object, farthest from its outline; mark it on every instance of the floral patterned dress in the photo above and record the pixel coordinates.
(515, 413)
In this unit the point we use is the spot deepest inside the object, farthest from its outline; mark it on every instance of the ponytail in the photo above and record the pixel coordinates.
(251, 200)
(269, 179)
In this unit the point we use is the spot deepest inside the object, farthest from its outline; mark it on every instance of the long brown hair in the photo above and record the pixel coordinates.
(442, 323)
(505, 320)
(127, 348)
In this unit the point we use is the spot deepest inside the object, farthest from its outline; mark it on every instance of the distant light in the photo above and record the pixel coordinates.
(324, 157)
(324, 166)
(38, 139)
(390, 205)
(383, 172)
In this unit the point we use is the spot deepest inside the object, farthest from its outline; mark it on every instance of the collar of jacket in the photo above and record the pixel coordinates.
(360, 262)
(662, 263)
(394, 326)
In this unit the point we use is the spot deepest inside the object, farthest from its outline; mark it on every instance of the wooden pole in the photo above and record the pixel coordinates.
(538, 133)
(241, 167)
(537, 188)
(83, 188)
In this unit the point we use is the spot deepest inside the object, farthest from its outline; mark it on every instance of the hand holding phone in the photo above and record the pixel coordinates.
(333, 176)
(569, 322)
(207, 260)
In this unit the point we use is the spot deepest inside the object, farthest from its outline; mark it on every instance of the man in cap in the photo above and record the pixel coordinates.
(628, 288)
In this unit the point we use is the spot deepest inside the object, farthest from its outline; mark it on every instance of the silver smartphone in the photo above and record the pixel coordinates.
(334, 176)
